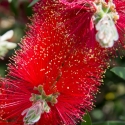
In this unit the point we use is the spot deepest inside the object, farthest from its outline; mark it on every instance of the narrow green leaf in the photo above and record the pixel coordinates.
(14, 4)
(119, 71)
(87, 119)
(33, 2)
(2, 69)
(110, 123)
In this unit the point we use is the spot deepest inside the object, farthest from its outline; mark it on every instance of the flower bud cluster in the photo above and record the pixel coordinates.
(40, 106)
(105, 18)
(106, 32)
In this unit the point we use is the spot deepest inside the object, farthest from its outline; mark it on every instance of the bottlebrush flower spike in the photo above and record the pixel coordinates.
(50, 81)
(97, 20)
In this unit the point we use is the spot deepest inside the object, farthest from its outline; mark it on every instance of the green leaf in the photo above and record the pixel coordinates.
(14, 6)
(110, 123)
(87, 119)
(33, 2)
(119, 71)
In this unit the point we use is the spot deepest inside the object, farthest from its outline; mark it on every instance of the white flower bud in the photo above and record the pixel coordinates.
(5, 46)
(105, 18)
(7, 35)
(106, 32)
(33, 114)
(11, 45)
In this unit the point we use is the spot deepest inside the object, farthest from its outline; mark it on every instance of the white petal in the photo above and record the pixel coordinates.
(9, 1)
(25, 111)
(11, 45)
(7, 35)
(116, 35)
(100, 25)
(105, 41)
(97, 38)
(3, 44)
(101, 35)
(111, 43)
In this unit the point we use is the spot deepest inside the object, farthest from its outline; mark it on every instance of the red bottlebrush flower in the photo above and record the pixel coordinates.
(50, 81)
(97, 20)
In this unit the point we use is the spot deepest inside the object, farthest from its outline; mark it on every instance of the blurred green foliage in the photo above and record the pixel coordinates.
(110, 123)
(111, 99)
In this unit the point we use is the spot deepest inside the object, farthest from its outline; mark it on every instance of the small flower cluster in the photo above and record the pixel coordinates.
(105, 18)
(5, 46)
(102, 18)
(40, 105)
